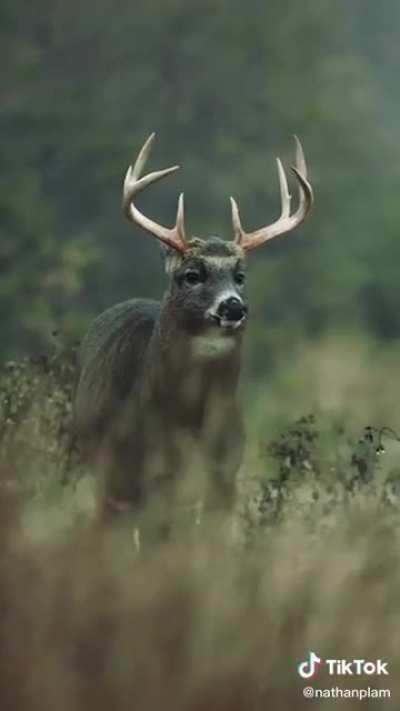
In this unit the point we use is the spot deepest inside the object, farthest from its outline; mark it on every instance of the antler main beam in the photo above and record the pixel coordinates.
(286, 221)
(134, 184)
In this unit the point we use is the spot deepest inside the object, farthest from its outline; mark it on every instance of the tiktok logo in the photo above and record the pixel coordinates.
(309, 668)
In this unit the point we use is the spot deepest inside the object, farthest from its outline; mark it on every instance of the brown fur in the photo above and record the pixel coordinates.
(153, 412)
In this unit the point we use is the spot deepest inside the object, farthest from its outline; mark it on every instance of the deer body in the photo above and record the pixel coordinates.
(135, 406)
(156, 397)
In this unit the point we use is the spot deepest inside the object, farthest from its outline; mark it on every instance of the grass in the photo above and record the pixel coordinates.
(219, 616)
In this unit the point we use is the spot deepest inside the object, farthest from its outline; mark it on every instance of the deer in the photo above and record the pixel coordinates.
(156, 398)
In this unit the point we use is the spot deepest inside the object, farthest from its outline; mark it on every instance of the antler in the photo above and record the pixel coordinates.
(286, 222)
(133, 184)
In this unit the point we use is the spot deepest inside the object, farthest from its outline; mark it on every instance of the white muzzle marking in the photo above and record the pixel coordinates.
(212, 345)
(223, 296)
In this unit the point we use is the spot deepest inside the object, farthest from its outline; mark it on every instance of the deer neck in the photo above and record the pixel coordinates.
(187, 370)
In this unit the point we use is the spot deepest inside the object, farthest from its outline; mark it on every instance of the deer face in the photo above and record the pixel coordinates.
(206, 294)
(207, 276)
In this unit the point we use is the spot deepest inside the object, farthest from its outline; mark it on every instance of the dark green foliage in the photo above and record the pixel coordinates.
(37, 441)
(224, 88)
(295, 450)
(323, 471)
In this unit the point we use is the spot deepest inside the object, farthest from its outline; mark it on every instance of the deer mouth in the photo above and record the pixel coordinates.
(226, 325)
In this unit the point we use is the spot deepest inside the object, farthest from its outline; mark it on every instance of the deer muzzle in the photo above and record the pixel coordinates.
(230, 313)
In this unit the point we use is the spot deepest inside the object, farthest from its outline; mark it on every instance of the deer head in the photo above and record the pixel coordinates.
(206, 290)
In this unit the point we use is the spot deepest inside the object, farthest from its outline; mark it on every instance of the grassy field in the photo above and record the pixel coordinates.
(218, 617)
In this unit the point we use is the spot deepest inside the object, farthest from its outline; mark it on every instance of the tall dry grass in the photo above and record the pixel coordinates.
(217, 617)
(199, 622)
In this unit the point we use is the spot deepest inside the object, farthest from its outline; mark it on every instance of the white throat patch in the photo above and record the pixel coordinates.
(215, 345)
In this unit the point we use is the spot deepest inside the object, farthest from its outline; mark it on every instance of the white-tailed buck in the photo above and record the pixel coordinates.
(156, 397)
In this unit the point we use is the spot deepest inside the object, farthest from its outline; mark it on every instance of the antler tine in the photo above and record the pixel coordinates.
(180, 217)
(285, 194)
(143, 156)
(286, 221)
(301, 164)
(133, 184)
(300, 170)
(239, 234)
(238, 231)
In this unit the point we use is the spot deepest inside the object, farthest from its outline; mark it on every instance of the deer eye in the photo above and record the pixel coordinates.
(239, 278)
(192, 276)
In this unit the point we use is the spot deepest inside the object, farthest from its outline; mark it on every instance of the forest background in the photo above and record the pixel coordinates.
(224, 85)
(310, 557)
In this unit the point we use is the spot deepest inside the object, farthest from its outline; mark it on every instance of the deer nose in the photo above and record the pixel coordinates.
(232, 309)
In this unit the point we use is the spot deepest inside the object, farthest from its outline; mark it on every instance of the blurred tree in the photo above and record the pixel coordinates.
(225, 85)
